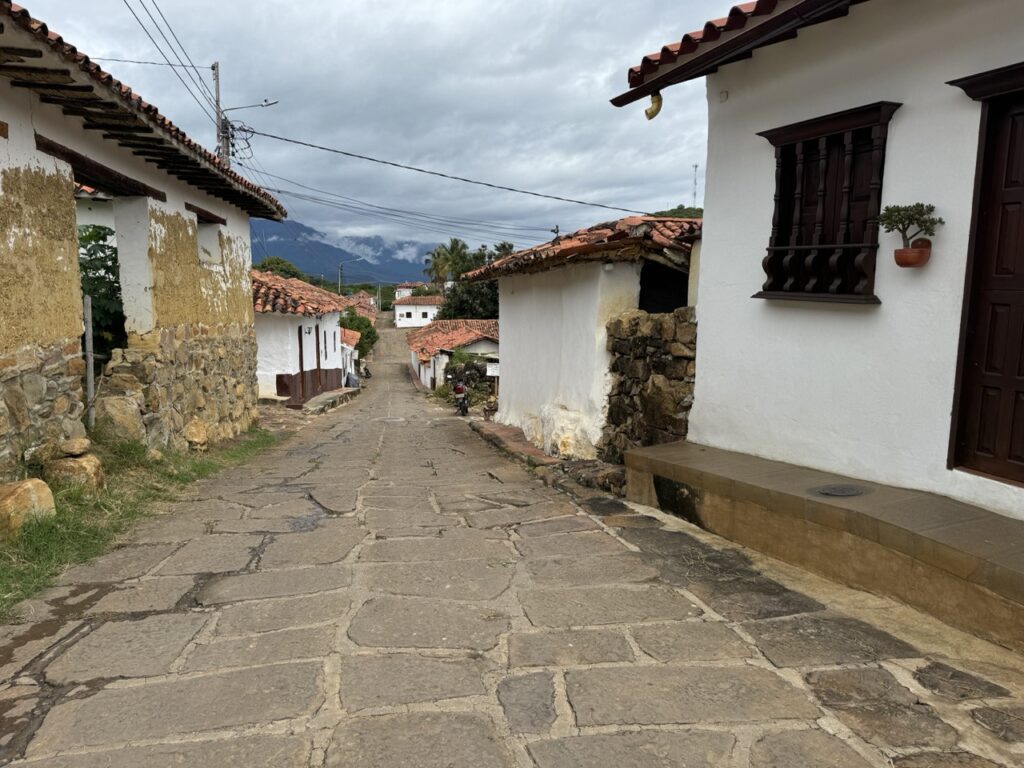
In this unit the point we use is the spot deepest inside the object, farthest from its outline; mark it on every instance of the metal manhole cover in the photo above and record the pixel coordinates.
(841, 490)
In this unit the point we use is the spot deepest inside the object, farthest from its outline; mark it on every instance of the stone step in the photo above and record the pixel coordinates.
(961, 563)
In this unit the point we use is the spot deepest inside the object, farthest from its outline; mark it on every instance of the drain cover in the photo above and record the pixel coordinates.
(841, 490)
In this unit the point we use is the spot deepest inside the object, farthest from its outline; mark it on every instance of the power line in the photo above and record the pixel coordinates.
(135, 61)
(168, 61)
(198, 82)
(182, 47)
(429, 217)
(443, 175)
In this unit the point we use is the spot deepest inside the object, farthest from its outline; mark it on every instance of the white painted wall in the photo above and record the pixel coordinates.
(418, 311)
(401, 293)
(277, 349)
(554, 365)
(864, 391)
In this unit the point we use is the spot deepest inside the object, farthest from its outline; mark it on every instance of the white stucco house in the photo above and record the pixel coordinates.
(402, 290)
(302, 350)
(431, 347)
(416, 311)
(816, 348)
(555, 302)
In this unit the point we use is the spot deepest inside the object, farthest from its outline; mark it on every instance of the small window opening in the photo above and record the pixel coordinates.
(662, 288)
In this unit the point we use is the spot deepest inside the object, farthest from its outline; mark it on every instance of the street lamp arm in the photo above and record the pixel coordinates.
(265, 103)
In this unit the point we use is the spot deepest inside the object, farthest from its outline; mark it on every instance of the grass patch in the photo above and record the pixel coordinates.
(86, 526)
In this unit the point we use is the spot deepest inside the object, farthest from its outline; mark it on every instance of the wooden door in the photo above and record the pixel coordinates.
(319, 374)
(990, 428)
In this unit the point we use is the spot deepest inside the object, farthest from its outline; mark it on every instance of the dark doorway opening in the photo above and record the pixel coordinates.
(662, 288)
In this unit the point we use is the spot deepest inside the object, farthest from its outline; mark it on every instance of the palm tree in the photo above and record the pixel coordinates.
(446, 261)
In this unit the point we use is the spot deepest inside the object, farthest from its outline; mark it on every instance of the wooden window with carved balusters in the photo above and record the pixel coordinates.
(828, 191)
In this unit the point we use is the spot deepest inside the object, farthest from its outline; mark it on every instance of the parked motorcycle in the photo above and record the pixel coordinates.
(462, 398)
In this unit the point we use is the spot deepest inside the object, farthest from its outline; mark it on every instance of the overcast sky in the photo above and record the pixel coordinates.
(512, 92)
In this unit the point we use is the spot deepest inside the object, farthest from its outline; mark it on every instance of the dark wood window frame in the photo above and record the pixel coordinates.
(833, 260)
(982, 87)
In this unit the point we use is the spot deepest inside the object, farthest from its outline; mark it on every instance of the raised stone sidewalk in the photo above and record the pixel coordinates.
(385, 590)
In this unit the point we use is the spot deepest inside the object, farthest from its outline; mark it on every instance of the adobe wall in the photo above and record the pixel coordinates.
(40, 313)
(653, 371)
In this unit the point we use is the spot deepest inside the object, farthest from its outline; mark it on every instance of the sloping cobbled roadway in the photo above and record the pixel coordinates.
(385, 590)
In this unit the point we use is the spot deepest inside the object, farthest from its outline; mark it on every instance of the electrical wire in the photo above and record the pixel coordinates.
(206, 87)
(135, 61)
(168, 61)
(450, 177)
(428, 217)
(198, 82)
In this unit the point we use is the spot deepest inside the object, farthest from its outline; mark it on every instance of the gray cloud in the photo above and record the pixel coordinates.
(510, 92)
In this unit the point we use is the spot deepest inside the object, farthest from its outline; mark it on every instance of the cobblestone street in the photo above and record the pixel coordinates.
(385, 590)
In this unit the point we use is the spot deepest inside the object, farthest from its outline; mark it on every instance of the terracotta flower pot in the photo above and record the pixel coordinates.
(916, 255)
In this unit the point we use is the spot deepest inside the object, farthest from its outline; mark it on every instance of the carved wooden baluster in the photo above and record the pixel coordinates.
(835, 262)
(770, 263)
(789, 265)
(815, 281)
(864, 263)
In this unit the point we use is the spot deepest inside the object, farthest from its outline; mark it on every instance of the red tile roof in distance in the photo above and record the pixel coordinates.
(350, 337)
(414, 286)
(289, 296)
(598, 243)
(424, 301)
(261, 203)
(449, 334)
(745, 28)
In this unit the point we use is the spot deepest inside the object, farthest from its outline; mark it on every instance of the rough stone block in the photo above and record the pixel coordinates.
(568, 648)
(121, 416)
(23, 501)
(397, 679)
(645, 749)
(408, 622)
(83, 471)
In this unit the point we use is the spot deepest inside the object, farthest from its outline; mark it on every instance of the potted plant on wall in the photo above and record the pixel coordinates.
(912, 221)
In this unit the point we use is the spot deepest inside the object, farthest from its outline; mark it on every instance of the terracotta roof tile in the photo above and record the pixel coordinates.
(413, 285)
(262, 203)
(693, 56)
(449, 334)
(289, 296)
(350, 337)
(608, 241)
(433, 301)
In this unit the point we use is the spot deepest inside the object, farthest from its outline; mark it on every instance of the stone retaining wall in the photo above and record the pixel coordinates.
(41, 400)
(181, 387)
(653, 371)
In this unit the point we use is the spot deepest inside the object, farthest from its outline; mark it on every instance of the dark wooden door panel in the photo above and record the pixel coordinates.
(990, 421)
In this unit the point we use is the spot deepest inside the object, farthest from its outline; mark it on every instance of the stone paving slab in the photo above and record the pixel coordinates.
(282, 613)
(212, 554)
(397, 679)
(798, 748)
(410, 622)
(586, 606)
(570, 545)
(257, 586)
(557, 525)
(451, 545)
(419, 740)
(679, 695)
(691, 641)
(629, 567)
(118, 715)
(146, 648)
(647, 749)
(817, 640)
(248, 751)
(127, 563)
(568, 648)
(509, 516)
(265, 648)
(455, 580)
(329, 543)
(528, 701)
(156, 594)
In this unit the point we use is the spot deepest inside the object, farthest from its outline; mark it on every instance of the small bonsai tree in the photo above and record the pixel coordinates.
(911, 221)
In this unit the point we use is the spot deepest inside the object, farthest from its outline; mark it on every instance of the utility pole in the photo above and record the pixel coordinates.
(695, 167)
(340, 273)
(223, 138)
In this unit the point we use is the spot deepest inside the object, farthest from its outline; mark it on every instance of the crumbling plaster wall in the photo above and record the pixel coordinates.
(40, 297)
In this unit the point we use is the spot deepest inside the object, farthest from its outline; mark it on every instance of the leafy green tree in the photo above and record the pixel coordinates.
(100, 274)
(425, 290)
(470, 300)
(682, 212)
(281, 267)
(356, 322)
(447, 262)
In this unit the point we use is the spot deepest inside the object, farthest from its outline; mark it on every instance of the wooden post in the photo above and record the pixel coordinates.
(90, 373)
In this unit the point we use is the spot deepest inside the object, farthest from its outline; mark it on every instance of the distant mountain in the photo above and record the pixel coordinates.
(363, 259)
